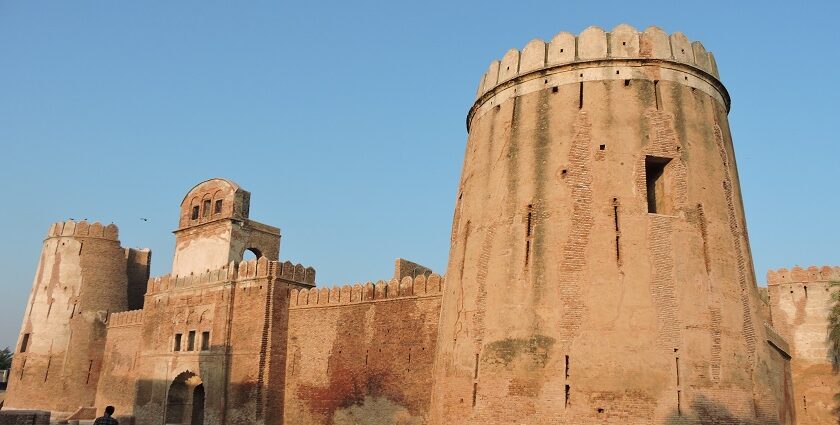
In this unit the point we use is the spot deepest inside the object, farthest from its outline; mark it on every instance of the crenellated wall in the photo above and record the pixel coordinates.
(362, 353)
(594, 55)
(800, 302)
(349, 294)
(295, 274)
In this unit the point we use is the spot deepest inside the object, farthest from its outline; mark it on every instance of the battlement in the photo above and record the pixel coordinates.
(623, 43)
(799, 275)
(233, 272)
(125, 318)
(84, 230)
(357, 293)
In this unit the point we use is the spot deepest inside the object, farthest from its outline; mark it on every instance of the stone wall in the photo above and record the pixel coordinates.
(362, 353)
(24, 417)
(800, 301)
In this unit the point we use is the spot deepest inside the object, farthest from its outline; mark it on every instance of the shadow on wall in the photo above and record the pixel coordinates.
(708, 412)
(197, 392)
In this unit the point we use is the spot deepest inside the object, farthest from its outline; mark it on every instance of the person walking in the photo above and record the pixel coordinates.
(106, 419)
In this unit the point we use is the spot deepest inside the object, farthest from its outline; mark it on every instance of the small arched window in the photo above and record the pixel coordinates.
(195, 212)
(206, 208)
(217, 209)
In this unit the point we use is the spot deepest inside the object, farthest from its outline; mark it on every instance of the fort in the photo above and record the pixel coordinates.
(599, 272)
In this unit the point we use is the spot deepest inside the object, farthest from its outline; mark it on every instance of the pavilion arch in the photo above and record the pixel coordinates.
(185, 400)
(251, 254)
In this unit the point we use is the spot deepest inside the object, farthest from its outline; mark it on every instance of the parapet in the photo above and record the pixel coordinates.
(797, 274)
(233, 272)
(594, 45)
(82, 229)
(125, 318)
(419, 286)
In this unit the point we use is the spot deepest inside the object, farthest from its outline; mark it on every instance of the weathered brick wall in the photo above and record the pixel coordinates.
(179, 306)
(24, 417)
(362, 354)
(117, 383)
(800, 301)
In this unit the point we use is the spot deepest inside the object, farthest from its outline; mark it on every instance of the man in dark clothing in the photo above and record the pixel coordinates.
(106, 419)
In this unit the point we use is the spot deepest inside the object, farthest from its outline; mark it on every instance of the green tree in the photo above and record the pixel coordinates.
(834, 326)
(834, 336)
(5, 358)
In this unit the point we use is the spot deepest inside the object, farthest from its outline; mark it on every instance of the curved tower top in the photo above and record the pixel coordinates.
(625, 51)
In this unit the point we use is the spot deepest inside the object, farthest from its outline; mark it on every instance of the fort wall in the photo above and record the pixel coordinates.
(800, 300)
(118, 381)
(362, 353)
(224, 329)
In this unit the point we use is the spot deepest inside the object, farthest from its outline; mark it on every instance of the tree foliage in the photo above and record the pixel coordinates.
(834, 337)
(5, 358)
(834, 326)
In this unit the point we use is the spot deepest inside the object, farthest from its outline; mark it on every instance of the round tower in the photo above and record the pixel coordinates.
(81, 278)
(599, 267)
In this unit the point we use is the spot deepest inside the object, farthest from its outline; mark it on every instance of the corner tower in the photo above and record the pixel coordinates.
(599, 267)
(83, 275)
(214, 229)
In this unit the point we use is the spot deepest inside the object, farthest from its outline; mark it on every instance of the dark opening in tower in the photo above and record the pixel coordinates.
(656, 176)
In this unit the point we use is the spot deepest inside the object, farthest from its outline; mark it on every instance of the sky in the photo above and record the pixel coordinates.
(345, 120)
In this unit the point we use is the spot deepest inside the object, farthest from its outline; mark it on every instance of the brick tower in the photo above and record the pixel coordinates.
(600, 269)
(83, 275)
(214, 229)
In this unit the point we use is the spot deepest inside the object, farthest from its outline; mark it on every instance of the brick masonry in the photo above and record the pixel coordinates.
(599, 272)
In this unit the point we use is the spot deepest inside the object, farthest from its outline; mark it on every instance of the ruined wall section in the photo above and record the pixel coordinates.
(81, 278)
(118, 381)
(599, 206)
(362, 353)
(404, 268)
(138, 267)
(800, 302)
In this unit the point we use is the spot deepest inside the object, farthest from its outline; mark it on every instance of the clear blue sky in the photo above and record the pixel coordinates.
(346, 120)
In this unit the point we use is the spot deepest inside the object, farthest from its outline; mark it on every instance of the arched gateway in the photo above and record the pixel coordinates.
(185, 400)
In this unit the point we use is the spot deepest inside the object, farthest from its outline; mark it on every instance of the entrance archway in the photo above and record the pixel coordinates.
(185, 400)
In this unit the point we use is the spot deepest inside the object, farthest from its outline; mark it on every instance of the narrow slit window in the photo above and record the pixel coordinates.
(177, 346)
(656, 176)
(217, 209)
(25, 343)
(195, 213)
(205, 341)
(207, 208)
(191, 341)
